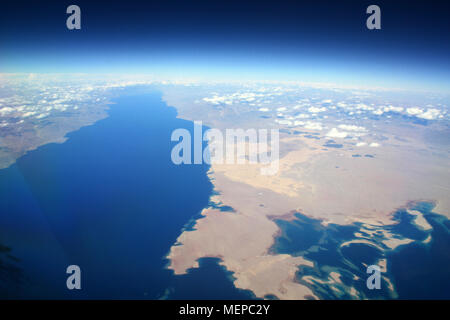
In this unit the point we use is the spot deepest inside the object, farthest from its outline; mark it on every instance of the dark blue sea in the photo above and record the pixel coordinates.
(109, 200)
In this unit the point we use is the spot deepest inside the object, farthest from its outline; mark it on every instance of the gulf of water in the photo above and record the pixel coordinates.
(111, 201)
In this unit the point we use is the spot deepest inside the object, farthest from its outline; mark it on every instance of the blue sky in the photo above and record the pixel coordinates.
(317, 41)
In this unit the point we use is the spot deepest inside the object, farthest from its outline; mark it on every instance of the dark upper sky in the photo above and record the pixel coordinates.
(318, 40)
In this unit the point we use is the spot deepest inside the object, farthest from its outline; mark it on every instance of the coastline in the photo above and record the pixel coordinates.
(306, 183)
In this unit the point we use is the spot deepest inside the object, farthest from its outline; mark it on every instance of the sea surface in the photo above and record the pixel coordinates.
(109, 200)
(419, 269)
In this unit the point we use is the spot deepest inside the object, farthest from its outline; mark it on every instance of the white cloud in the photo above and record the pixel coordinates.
(374, 145)
(414, 111)
(316, 109)
(430, 114)
(351, 128)
(264, 109)
(335, 133)
(284, 122)
(361, 144)
(6, 110)
(378, 112)
(313, 125)
(362, 106)
(42, 115)
(393, 109)
(28, 114)
(309, 125)
(215, 100)
(233, 98)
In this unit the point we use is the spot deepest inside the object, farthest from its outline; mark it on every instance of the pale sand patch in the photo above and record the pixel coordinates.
(250, 173)
(353, 292)
(333, 186)
(394, 243)
(335, 284)
(336, 277)
(390, 241)
(338, 188)
(274, 274)
(427, 240)
(382, 263)
(362, 241)
(420, 221)
(391, 287)
(242, 252)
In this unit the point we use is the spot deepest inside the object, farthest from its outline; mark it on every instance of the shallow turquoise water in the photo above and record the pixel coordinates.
(417, 270)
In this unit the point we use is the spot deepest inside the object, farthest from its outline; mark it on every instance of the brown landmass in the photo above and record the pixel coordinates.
(324, 183)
